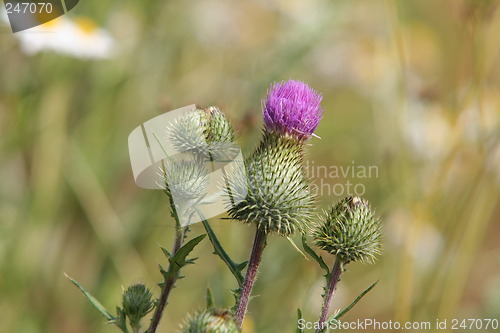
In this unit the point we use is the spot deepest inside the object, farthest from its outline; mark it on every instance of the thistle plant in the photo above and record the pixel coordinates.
(271, 192)
(278, 199)
(351, 232)
(204, 133)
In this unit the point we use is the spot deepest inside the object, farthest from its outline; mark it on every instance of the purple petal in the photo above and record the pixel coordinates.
(292, 107)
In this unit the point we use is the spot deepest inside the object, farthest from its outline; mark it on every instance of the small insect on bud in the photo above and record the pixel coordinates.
(137, 302)
(210, 321)
(350, 231)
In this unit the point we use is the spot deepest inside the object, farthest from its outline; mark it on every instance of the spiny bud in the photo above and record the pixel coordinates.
(278, 198)
(186, 183)
(137, 302)
(350, 231)
(210, 321)
(204, 132)
(186, 180)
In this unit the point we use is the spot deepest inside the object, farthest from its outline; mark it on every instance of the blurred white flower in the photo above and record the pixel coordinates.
(418, 238)
(428, 131)
(77, 37)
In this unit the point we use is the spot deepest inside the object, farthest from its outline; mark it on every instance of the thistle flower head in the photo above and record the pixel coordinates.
(292, 108)
(277, 195)
(350, 231)
(204, 132)
(210, 321)
(137, 302)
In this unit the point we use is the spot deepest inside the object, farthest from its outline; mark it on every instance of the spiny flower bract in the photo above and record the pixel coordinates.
(277, 196)
(350, 231)
(186, 180)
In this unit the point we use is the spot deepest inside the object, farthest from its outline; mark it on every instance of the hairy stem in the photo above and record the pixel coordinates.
(168, 284)
(259, 244)
(332, 284)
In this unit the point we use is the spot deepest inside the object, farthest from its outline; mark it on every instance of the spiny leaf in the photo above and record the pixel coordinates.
(360, 296)
(210, 299)
(165, 252)
(296, 247)
(179, 259)
(121, 320)
(236, 293)
(299, 317)
(93, 301)
(241, 266)
(316, 257)
(234, 267)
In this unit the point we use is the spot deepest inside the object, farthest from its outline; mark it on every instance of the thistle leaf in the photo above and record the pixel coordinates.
(121, 320)
(297, 248)
(316, 257)
(99, 307)
(299, 317)
(179, 259)
(234, 267)
(165, 252)
(360, 296)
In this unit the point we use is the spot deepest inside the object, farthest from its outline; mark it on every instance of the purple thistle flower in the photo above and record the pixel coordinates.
(292, 107)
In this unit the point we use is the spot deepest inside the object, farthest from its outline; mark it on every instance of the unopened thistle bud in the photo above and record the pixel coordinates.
(186, 180)
(210, 321)
(278, 198)
(204, 132)
(137, 302)
(350, 231)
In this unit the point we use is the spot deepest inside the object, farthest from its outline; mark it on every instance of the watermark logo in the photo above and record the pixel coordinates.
(171, 152)
(339, 180)
(26, 14)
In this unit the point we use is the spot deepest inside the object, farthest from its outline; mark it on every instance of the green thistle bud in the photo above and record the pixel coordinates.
(350, 231)
(277, 197)
(210, 321)
(137, 302)
(186, 183)
(186, 180)
(187, 133)
(204, 132)
(219, 129)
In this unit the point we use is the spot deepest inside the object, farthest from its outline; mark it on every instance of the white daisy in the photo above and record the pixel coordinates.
(77, 37)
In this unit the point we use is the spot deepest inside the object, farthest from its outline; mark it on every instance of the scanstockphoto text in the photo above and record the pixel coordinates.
(370, 324)
(339, 180)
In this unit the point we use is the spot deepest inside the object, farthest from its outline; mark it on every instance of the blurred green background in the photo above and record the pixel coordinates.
(410, 87)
